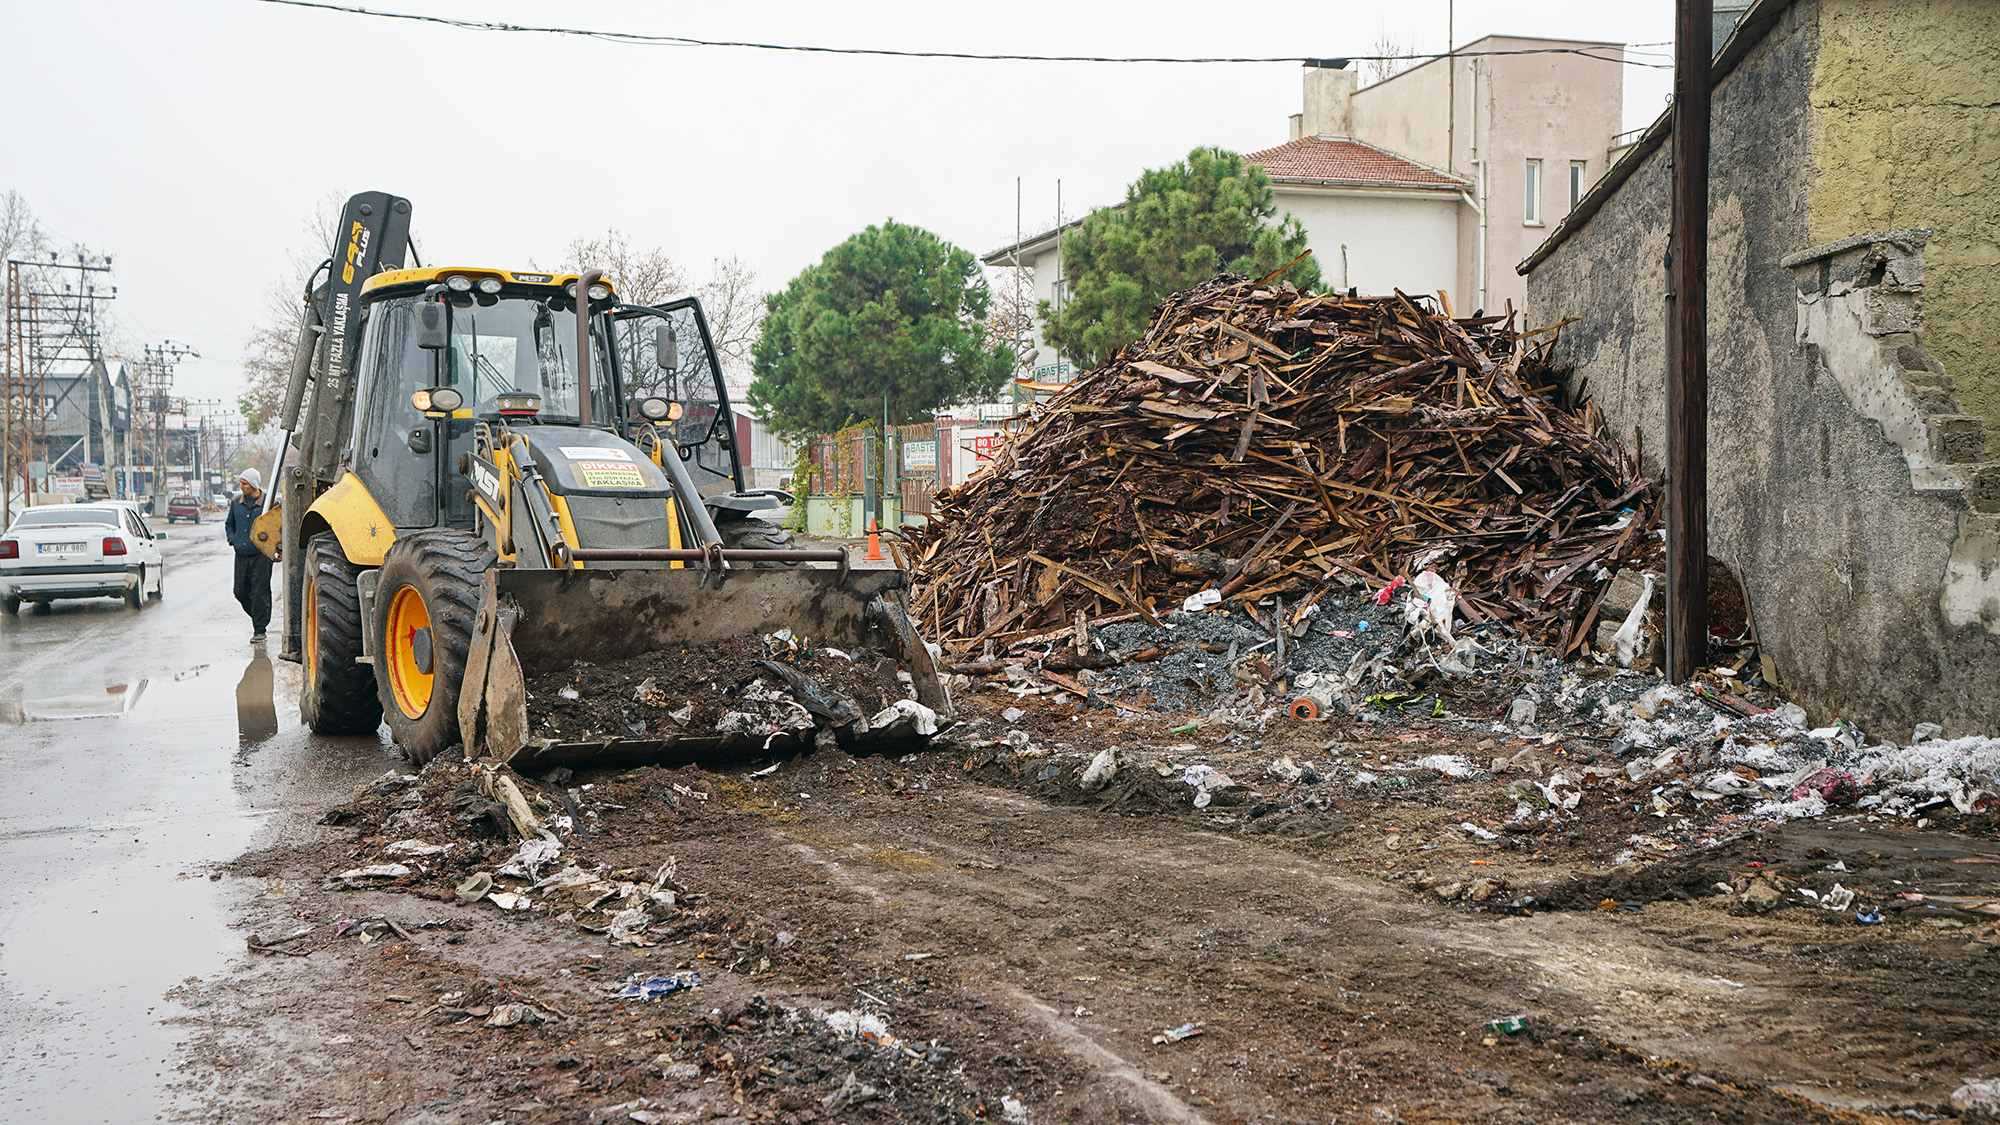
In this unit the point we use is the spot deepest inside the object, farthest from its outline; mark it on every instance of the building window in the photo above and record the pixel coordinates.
(1531, 211)
(1578, 180)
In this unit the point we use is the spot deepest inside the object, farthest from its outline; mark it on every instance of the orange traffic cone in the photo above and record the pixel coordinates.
(874, 541)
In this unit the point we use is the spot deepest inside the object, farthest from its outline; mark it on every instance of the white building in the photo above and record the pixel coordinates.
(1435, 180)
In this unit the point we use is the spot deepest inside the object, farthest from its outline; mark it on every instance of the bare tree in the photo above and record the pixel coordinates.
(643, 276)
(1010, 315)
(20, 233)
(649, 276)
(1376, 70)
(267, 357)
(735, 310)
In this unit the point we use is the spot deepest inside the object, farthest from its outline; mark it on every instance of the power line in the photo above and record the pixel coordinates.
(640, 38)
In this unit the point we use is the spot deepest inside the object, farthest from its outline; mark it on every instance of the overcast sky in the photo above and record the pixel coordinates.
(191, 139)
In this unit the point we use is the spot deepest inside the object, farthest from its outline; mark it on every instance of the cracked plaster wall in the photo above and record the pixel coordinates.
(1844, 563)
(1906, 94)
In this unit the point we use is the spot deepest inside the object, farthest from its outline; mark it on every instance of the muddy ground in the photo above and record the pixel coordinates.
(964, 933)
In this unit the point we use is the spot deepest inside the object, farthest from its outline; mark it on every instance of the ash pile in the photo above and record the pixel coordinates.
(1263, 447)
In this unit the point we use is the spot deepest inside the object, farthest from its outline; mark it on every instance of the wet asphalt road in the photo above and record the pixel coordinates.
(138, 748)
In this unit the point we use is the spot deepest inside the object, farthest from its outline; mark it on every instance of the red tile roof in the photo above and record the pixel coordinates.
(1347, 162)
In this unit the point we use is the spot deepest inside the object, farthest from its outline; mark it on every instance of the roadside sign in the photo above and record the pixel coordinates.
(920, 455)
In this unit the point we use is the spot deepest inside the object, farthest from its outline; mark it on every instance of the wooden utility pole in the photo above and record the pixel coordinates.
(1687, 346)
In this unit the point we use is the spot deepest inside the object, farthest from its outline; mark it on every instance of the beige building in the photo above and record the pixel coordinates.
(1437, 179)
(1526, 124)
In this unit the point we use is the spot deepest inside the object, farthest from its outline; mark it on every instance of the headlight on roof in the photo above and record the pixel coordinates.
(489, 285)
(659, 409)
(600, 291)
(458, 283)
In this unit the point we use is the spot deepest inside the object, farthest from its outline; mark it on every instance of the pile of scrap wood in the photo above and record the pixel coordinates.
(1260, 443)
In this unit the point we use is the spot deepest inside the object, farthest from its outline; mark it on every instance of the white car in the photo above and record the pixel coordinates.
(96, 550)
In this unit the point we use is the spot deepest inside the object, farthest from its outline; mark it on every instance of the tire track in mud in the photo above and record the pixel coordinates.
(1015, 883)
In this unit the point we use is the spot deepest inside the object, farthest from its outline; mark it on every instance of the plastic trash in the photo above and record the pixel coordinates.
(1382, 597)
(1507, 1026)
(1625, 642)
(473, 889)
(1440, 600)
(1099, 772)
(1835, 787)
(1521, 712)
(374, 871)
(1175, 1035)
(1978, 1095)
(1450, 765)
(652, 988)
(1207, 781)
(904, 718)
(1013, 715)
(513, 1015)
(1200, 600)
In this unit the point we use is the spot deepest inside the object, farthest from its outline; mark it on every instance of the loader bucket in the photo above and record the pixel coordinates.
(534, 623)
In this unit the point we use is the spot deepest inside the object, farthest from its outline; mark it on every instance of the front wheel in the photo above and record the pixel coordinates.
(425, 603)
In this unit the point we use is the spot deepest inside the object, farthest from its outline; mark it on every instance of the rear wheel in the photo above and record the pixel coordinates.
(338, 695)
(424, 609)
(10, 604)
(135, 594)
(752, 534)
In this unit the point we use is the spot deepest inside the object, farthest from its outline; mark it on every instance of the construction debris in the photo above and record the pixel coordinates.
(1260, 443)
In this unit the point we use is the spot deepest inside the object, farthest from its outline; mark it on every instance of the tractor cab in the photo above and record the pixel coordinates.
(448, 353)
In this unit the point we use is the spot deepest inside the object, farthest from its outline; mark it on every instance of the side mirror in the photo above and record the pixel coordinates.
(430, 325)
(665, 349)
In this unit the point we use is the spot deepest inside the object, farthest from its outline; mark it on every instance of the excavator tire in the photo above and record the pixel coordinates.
(753, 534)
(425, 604)
(338, 696)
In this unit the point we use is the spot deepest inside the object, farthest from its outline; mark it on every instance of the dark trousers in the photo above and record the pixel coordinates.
(253, 589)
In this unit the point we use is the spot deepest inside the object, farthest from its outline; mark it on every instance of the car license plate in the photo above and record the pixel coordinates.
(60, 548)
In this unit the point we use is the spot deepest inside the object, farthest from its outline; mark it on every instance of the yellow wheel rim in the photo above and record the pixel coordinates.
(312, 634)
(408, 682)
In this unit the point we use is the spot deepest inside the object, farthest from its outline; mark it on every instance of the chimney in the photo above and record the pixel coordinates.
(1329, 86)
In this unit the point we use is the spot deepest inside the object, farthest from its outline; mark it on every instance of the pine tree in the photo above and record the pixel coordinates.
(1178, 226)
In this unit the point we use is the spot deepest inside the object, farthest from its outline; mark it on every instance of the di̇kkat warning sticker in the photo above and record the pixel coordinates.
(609, 474)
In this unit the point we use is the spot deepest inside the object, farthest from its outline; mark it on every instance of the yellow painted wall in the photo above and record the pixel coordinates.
(1906, 95)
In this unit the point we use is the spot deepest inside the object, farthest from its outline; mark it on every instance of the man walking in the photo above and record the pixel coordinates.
(253, 568)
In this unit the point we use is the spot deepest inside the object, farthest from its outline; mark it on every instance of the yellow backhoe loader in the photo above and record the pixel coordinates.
(503, 474)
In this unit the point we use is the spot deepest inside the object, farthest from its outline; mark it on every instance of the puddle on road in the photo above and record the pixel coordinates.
(44, 705)
(47, 698)
(117, 794)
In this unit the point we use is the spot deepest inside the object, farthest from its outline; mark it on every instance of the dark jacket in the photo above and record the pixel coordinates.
(236, 528)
